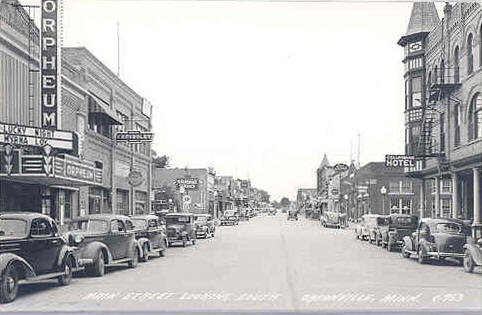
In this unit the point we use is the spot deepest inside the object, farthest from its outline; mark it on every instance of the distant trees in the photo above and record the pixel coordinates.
(285, 202)
(160, 161)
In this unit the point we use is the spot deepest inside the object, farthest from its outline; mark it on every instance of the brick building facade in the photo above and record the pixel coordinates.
(443, 107)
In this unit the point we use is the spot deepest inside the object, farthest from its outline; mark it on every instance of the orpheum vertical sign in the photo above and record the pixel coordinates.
(50, 63)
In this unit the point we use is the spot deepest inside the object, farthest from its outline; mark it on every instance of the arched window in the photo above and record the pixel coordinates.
(470, 56)
(457, 125)
(456, 65)
(480, 46)
(442, 71)
(475, 117)
(429, 79)
(435, 75)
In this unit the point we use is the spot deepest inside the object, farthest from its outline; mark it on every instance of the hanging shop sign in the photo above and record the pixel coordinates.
(187, 183)
(400, 160)
(36, 137)
(340, 167)
(134, 136)
(135, 178)
(49, 61)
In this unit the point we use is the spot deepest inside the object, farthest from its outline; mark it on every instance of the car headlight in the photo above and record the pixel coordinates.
(78, 239)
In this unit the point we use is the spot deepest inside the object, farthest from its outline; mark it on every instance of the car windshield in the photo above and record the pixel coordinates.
(405, 221)
(139, 223)
(176, 220)
(450, 227)
(13, 227)
(89, 226)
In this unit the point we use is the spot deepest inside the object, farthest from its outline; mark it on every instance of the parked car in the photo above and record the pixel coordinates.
(331, 219)
(230, 217)
(150, 235)
(31, 248)
(204, 225)
(473, 250)
(292, 215)
(104, 240)
(180, 228)
(396, 227)
(362, 229)
(374, 225)
(436, 239)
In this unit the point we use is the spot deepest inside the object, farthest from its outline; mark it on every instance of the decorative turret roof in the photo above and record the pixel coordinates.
(324, 163)
(423, 19)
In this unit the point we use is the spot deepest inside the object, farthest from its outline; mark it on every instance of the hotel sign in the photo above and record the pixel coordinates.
(36, 137)
(49, 61)
(399, 160)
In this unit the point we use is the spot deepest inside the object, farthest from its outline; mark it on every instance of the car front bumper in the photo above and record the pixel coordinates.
(445, 254)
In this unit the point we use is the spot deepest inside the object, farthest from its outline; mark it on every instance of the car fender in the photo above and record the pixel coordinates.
(407, 240)
(133, 244)
(10, 258)
(92, 249)
(475, 252)
(65, 252)
(141, 241)
(423, 244)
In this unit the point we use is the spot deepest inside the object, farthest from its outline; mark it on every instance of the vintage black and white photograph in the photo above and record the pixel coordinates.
(249, 156)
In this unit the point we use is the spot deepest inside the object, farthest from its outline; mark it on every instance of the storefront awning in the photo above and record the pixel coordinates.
(100, 109)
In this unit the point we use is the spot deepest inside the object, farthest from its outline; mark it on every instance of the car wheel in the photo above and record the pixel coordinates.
(9, 285)
(403, 251)
(421, 256)
(98, 267)
(135, 259)
(468, 262)
(67, 269)
(145, 253)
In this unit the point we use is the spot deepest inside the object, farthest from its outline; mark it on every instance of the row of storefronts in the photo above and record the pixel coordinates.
(78, 168)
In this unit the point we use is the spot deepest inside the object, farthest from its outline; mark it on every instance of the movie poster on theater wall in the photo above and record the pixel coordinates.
(50, 64)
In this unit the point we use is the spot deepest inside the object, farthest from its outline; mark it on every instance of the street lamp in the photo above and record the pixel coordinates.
(383, 191)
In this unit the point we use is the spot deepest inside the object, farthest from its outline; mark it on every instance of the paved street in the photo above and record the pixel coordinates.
(267, 264)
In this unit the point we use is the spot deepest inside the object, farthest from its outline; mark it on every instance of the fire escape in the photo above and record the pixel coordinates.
(444, 83)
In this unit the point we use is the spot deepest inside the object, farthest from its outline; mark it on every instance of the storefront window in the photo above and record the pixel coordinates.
(68, 205)
(95, 197)
(141, 202)
(123, 202)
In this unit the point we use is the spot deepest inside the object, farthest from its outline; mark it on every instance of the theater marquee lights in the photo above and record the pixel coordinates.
(50, 56)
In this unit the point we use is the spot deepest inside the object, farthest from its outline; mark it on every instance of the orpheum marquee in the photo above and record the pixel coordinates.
(47, 161)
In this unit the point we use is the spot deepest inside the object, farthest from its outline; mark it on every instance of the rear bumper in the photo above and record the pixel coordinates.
(445, 254)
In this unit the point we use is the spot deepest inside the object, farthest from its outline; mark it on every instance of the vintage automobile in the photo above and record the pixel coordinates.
(436, 239)
(473, 250)
(292, 215)
(230, 217)
(32, 249)
(204, 225)
(331, 219)
(374, 225)
(362, 229)
(103, 240)
(150, 235)
(394, 229)
(180, 228)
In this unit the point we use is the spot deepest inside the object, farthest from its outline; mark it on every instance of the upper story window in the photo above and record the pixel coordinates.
(442, 132)
(442, 71)
(101, 116)
(470, 56)
(446, 186)
(457, 125)
(456, 65)
(475, 117)
(417, 92)
(435, 74)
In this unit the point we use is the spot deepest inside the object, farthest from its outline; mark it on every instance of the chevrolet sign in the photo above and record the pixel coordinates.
(134, 136)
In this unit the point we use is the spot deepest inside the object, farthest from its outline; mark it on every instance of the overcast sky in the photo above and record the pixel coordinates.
(257, 88)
